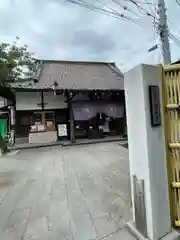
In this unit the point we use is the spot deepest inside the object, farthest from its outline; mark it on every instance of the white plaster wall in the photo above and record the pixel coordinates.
(157, 158)
(54, 101)
(147, 149)
(137, 139)
(28, 100)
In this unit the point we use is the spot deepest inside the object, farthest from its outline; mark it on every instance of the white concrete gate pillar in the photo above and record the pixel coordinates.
(147, 152)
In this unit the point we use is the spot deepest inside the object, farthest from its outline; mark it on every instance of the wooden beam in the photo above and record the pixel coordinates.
(42, 100)
(71, 117)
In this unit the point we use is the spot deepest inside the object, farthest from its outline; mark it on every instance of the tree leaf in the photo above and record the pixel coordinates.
(13, 60)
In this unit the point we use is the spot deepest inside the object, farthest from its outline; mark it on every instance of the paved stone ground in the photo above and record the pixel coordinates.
(71, 193)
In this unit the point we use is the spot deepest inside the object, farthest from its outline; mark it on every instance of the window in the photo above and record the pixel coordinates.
(37, 118)
(49, 118)
(45, 118)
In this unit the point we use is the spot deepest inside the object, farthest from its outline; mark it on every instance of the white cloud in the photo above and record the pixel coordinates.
(54, 29)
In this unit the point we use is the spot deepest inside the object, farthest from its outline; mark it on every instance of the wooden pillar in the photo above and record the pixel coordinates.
(71, 117)
(42, 100)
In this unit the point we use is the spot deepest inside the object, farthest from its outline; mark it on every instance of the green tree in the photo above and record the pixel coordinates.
(15, 63)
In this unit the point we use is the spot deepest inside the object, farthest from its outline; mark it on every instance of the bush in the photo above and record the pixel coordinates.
(3, 145)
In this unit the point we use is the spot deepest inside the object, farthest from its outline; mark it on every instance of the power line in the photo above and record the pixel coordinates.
(146, 2)
(151, 9)
(106, 8)
(160, 23)
(107, 11)
(174, 38)
(125, 7)
(177, 30)
(115, 13)
(141, 9)
(178, 2)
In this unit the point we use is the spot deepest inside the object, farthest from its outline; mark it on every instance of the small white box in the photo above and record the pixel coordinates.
(33, 128)
(41, 127)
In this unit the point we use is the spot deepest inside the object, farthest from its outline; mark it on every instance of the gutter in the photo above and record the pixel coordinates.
(116, 69)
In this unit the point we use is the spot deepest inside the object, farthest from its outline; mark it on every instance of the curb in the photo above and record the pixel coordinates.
(67, 144)
(89, 143)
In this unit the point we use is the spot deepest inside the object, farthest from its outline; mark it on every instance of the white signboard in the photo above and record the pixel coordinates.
(62, 130)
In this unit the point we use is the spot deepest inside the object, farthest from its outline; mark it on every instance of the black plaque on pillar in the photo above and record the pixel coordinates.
(155, 105)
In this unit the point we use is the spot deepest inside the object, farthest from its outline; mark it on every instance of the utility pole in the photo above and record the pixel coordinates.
(163, 32)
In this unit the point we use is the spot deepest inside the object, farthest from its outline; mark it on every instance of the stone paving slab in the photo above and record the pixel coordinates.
(73, 193)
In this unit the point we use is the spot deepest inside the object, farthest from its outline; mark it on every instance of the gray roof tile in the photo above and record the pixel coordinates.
(78, 76)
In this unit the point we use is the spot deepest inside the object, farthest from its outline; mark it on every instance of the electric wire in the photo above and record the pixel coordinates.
(91, 6)
(146, 2)
(151, 9)
(111, 12)
(178, 2)
(175, 38)
(141, 9)
(125, 7)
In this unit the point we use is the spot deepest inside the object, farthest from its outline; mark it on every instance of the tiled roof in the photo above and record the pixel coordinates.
(76, 75)
(176, 62)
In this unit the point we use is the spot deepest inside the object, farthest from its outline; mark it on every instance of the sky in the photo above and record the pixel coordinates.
(55, 29)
